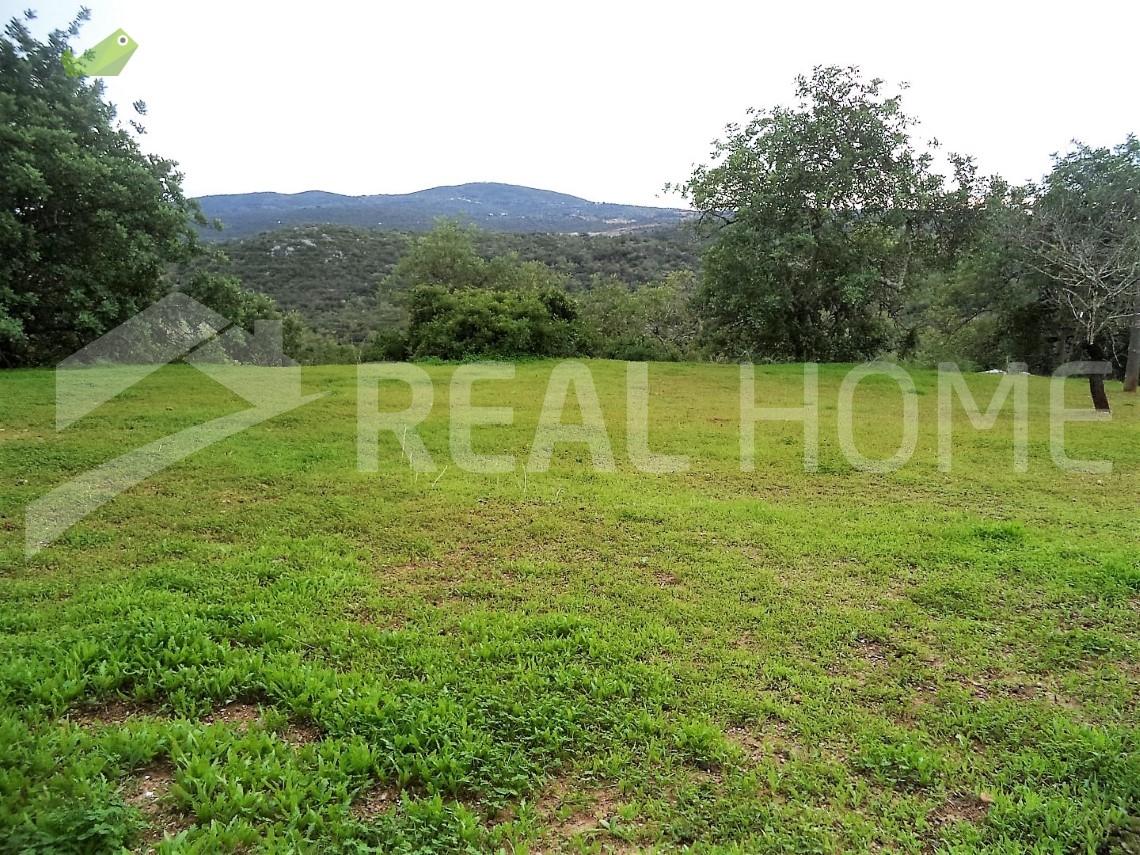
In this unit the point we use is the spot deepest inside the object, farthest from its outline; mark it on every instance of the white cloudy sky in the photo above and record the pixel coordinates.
(607, 100)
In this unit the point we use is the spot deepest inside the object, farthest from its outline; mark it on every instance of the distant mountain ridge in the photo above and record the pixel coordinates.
(492, 206)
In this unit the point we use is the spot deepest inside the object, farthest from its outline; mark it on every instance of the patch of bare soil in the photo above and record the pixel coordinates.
(568, 814)
(112, 712)
(963, 808)
(240, 715)
(378, 799)
(872, 651)
(744, 641)
(148, 789)
(298, 733)
(991, 683)
(237, 714)
(1023, 691)
(877, 654)
(1124, 839)
(982, 686)
(1061, 700)
(757, 746)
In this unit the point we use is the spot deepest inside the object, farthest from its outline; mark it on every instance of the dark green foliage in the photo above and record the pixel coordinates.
(481, 322)
(457, 304)
(827, 237)
(983, 307)
(1084, 238)
(88, 223)
(1041, 272)
(833, 240)
(385, 346)
(655, 322)
(328, 274)
(226, 296)
(821, 214)
(309, 347)
(461, 305)
(636, 258)
(446, 257)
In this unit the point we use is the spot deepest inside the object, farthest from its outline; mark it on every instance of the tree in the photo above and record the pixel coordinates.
(1084, 237)
(88, 223)
(821, 213)
(226, 296)
(445, 256)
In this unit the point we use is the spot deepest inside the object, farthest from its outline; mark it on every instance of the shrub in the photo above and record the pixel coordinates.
(490, 323)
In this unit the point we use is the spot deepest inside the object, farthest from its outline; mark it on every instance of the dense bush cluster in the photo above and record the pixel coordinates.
(484, 322)
(446, 301)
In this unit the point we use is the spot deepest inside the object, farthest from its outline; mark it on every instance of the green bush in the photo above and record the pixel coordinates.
(385, 346)
(490, 323)
(652, 323)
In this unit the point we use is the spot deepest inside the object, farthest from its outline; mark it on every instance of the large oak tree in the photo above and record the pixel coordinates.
(823, 212)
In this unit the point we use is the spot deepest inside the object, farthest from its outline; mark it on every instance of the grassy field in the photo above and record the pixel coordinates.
(263, 649)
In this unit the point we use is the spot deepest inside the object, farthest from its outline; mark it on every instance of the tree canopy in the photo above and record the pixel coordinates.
(822, 217)
(88, 222)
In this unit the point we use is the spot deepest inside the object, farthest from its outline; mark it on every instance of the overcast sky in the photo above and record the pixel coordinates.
(606, 100)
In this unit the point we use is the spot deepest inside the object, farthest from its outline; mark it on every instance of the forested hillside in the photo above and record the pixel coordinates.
(330, 274)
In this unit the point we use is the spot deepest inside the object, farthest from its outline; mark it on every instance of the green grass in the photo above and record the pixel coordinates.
(308, 658)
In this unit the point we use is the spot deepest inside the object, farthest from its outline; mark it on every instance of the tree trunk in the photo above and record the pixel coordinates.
(1099, 396)
(1132, 367)
(1096, 381)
